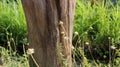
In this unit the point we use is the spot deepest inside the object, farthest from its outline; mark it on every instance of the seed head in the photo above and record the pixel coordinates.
(73, 47)
(104, 56)
(85, 32)
(62, 33)
(109, 38)
(76, 33)
(91, 27)
(61, 23)
(113, 47)
(27, 43)
(30, 51)
(65, 37)
(87, 43)
(8, 43)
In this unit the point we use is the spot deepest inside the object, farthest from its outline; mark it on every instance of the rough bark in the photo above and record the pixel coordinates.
(43, 17)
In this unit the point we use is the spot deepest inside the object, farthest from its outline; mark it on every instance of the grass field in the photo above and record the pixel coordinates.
(96, 35)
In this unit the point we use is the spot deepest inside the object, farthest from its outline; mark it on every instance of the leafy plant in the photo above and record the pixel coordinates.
(12, 24)
(99, 29)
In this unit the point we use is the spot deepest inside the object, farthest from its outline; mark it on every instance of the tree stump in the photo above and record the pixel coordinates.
(50, 24)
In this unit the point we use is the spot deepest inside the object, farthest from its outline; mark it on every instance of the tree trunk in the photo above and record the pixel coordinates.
(46, 32)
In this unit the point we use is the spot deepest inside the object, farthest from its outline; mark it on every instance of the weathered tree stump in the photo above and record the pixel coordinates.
(46, 32)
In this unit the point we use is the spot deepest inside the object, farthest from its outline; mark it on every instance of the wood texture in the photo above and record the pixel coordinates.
(43, 17)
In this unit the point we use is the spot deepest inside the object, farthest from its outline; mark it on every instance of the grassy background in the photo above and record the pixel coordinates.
(98, 29)
(96, 36)
(12, 24)
(13, 34)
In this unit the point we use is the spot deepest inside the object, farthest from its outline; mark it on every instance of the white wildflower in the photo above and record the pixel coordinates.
(113, 47)
(73, 47)
(76, 33)
(30, 51)
(85, 32)
(109, 38)
(87, 43)
(27, 43)
(104, 56)
(8, 43)
(91, 27)
(65, 37)
(62, 33)
(61, 23)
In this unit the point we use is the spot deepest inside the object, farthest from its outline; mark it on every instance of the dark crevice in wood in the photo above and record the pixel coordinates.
(58, 9)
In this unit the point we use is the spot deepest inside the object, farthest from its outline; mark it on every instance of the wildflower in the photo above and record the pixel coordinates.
(65, 37)
(113, 47)
(95, 48)
(76, 33)
(104, 56)
(87, 43)
(30, 51)
(79, 41)
(109, 38)
(27, 43)
(62, 33)
(8, 43)
(73, 47)
(61, 23)
(7, 33)
(91, 27)
(85, 32)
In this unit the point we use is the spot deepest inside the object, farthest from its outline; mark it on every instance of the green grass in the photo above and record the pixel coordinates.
(12, 24)
(9, 59)
(98, 30)
(13, 34)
